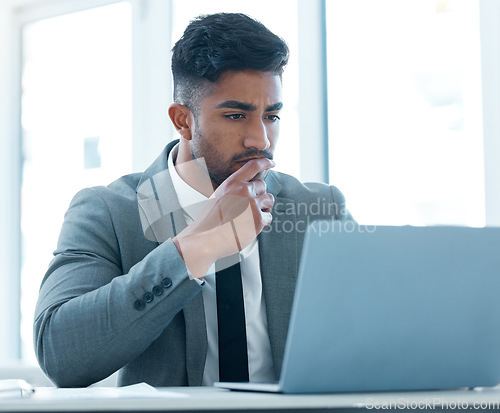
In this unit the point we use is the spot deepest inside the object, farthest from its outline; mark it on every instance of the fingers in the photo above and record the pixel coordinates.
(248, 229)
(261, 207)
(265, 202)
(250, 224)
(232, 218)
(248, 171)
(231, 206)
(257, 187)
(267, 218)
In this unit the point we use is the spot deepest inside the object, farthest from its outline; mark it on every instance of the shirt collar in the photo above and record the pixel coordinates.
(190, 200)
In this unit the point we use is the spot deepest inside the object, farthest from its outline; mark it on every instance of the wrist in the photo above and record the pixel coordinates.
(196, 251)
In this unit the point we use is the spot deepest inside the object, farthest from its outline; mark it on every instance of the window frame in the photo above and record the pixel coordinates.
(151, 130)
(10, 179)
(489, 26)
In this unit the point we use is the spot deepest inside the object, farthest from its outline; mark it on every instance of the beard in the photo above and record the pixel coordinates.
(219, 167)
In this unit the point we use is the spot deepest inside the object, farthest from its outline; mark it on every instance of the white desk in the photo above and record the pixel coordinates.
(201, 399)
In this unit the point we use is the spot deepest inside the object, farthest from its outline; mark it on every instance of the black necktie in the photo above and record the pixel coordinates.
(233, 356)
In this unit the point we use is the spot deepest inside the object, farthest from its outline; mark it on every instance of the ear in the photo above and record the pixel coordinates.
(182, 119)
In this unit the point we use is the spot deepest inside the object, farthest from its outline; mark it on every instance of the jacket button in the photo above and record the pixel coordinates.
(139, 305)
(167, 282)
(157, 290)
(148, 297)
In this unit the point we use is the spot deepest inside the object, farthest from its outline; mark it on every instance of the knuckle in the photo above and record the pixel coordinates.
(239, 189)
(247, 191)
(262, 186)
(254, 203)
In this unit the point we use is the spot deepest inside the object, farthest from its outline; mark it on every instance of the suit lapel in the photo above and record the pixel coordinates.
(279, 267)
(162, 218)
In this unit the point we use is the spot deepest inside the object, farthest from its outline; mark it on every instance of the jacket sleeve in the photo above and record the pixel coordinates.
(91, 319)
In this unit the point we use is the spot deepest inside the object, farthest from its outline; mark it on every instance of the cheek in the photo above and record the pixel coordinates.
(218, 132)
(273, 134)
(229, 137)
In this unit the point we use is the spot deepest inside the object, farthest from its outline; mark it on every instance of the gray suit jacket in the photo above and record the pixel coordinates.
(87, 321)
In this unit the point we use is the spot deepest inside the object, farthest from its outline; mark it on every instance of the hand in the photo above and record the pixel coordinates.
(232, 218)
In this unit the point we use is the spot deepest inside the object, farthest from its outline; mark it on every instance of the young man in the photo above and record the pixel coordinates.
(185, 274)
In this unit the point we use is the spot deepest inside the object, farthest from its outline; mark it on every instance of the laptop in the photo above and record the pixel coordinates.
(392, 308)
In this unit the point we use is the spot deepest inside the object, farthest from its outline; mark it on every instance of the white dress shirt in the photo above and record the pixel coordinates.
(260, 365)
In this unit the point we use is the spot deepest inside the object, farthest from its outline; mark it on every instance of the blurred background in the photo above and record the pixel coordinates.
(396, 102)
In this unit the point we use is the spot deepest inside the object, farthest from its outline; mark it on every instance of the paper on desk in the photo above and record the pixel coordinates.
(135, 391)
(13, 388)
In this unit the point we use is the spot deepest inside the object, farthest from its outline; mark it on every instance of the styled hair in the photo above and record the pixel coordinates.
(216, 43)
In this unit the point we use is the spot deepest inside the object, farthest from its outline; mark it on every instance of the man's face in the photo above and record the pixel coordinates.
(237, 121)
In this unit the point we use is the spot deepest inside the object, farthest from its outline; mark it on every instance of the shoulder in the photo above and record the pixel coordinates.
(104, 220)
(316, 198)
(292, 188)
(120, 191)
(124, 188)
(104, 208)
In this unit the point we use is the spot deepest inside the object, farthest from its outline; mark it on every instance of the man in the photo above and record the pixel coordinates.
(151, 270)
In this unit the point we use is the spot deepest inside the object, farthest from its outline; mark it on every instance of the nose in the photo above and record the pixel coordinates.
(256, 136)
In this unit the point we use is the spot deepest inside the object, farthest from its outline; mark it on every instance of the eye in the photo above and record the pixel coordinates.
(273, 118)
(235, 116)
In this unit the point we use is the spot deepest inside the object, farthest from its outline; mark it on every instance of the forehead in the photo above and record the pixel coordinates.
(248, 86)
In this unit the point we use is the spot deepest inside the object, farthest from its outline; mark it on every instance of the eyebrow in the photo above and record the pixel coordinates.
(235, 104)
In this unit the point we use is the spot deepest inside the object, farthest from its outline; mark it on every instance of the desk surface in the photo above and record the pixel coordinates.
(213, 399)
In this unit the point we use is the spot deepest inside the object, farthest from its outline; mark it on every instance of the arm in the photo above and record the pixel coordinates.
(86, 322)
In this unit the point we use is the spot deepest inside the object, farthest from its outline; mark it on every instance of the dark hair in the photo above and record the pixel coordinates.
(216, 43)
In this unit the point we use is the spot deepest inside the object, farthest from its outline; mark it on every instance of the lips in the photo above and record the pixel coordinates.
(249, 159)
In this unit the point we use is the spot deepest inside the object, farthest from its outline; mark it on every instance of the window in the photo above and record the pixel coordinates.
(405, 111)
(76, 127)
(404, 97)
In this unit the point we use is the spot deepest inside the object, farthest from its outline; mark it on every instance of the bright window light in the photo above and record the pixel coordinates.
(404, 96)
(76, 120)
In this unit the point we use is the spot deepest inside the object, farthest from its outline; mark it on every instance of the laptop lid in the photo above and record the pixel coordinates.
(394, 308)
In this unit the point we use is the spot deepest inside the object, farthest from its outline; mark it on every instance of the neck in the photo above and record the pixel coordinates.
(192, 171)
